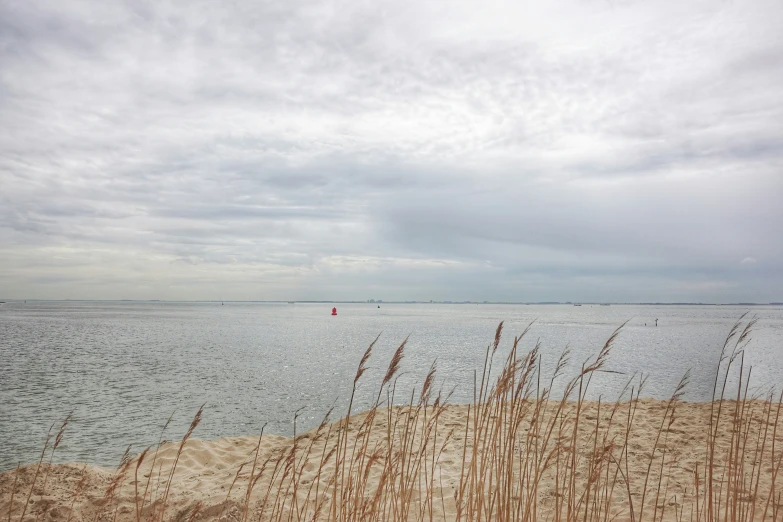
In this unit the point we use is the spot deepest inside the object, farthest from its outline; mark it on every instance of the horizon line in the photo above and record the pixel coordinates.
(373, 301)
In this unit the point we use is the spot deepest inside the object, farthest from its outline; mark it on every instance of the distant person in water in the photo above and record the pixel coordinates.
(656, 322)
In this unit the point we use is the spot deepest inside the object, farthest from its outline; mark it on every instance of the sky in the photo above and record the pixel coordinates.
(618, 150)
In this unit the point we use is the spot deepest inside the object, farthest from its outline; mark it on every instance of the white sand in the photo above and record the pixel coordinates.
(206, 470)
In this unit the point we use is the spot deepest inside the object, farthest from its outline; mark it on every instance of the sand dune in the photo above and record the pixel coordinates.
(206, 470)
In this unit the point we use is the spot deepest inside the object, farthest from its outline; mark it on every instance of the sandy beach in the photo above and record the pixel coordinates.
(211, 478)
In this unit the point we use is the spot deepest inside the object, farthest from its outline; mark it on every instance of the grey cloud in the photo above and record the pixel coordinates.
(418, 150)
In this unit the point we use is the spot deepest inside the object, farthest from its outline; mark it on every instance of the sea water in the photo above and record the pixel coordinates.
(123, 368)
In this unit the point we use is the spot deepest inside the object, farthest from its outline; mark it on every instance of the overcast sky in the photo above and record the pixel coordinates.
(614, 150)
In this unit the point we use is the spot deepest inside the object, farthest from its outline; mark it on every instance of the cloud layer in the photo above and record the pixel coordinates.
(578, 150)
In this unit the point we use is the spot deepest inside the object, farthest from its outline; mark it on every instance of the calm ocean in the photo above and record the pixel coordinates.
(124, 367)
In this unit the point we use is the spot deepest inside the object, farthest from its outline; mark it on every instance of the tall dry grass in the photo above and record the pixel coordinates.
(522, 454)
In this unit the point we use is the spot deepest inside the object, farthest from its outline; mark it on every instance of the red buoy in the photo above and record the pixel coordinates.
(334, 311)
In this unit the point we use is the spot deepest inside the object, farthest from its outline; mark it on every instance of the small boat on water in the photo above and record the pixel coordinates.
(575, 304)
(334, 311)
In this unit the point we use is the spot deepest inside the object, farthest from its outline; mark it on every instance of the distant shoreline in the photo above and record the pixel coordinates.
(533, 303)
